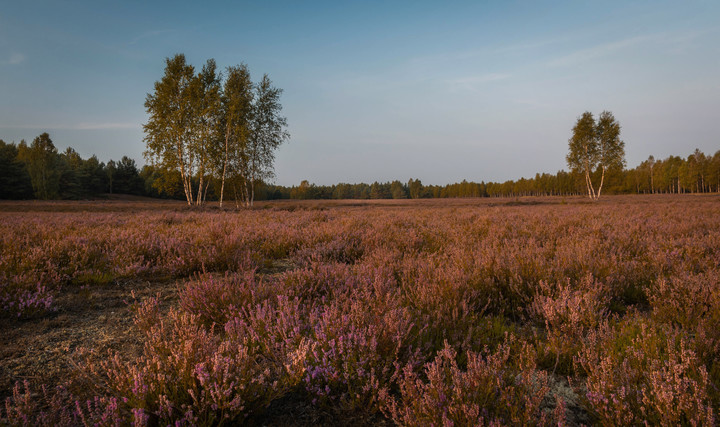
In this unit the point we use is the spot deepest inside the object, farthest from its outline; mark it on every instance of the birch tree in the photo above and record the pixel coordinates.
(651, 165)
(584, 153)
(595, 148)
(267, 132)
(169, 130)
(205, 142)
(611, 148)
(201, 128)
(237, 105)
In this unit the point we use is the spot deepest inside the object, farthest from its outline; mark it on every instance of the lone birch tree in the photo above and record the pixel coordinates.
(169, 130)
(595, 148)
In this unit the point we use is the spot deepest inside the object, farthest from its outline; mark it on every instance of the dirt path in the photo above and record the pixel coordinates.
(41, 350)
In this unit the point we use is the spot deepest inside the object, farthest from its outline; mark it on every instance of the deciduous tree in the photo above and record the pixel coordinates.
(204, 129)
(169, 130)
(237, 98)
(595, 147)
(267, 132)
(205, 144)
(41, 160)
(14, 179)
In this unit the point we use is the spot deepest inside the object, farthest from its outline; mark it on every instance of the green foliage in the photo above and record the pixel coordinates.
(166, 184)
(14, 178)
(41, 160)
(205, 129)
(596, 148)
(611, 148)
(584, 152)
(168, 130)
(126, 178)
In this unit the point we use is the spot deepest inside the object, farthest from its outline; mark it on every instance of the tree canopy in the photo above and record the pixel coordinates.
(204, 129)
(595, 147)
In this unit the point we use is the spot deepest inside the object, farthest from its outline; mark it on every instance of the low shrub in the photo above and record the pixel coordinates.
(641, 373)
(492, 390)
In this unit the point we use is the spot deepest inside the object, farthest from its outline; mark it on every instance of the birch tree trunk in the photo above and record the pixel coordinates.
(246, 194)
(198, 199)
(225, 162)
(602, 179)
(237, 205)
(252, 192)
(207, 185)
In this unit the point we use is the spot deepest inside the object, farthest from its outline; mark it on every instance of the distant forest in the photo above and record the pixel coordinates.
(38, 171)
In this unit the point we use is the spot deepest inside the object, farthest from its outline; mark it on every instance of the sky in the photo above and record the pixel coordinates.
(378, 90)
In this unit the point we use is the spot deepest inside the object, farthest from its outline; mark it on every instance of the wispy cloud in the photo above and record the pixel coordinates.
(497, 50)
(476, 81)
(16, 59)
(531, 102)
(669, 42)
(148, 35)
(106, 126)
(79, 126)
(598, 51)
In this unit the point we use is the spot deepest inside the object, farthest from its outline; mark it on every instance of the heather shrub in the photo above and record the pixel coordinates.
(687, 301)
(404, 310)
(640, 373)
(691, 302)
(23, 408)
(568, 313)
(24, 295)
(344, 247)
(491, 390)
(447, 301)
(57, 407)
(316, 281)
(276, 331)
(215, 299)
(189, 375)
(358, 343)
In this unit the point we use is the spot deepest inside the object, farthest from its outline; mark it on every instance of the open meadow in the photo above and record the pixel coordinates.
(516, 311)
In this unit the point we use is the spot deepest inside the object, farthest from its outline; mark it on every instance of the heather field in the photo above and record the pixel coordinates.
(530, 311)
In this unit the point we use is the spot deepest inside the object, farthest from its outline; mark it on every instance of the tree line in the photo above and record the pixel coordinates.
(697, 173)
(38, 171)
(204, 132)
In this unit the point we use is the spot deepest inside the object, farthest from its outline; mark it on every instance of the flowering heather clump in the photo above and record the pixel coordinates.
(638, 372)
(58, 408)
(569, 314)
(691, 302)
(18, 296)
(492, 390)
(358, 341)
(447, 301)
(215, 299)
(190, 375)
(316, 282)
(345, 248)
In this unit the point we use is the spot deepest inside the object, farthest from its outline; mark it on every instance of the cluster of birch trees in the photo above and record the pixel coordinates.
(214, 126)
(596, 147)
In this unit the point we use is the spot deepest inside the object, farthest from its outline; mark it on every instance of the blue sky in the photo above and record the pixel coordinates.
(441, 91)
